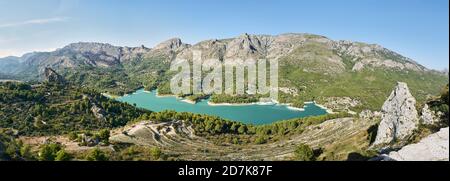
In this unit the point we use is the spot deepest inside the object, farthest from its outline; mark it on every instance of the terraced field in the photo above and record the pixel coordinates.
(178, 138)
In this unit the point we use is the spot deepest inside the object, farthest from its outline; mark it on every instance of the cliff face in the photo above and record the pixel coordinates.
(399, 116)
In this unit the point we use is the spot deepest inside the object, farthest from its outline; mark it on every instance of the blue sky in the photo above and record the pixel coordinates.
(418, 29)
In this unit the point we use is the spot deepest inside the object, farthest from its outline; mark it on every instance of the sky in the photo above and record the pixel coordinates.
(418, 29)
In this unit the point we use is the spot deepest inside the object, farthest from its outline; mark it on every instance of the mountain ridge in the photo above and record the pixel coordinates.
(248, 39)
(314, 66)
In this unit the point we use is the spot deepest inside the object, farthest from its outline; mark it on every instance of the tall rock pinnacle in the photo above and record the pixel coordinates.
(399, 116)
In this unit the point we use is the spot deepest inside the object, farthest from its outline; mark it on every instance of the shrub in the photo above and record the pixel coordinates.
(104, 135)
(73, 136)
(25, 152)
(155, 152)
(260, 140)
(96, 155)
(304, 153)
(235, 141)
(62, 155)
(48, 151)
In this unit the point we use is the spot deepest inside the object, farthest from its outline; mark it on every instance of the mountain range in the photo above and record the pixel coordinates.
(380, 100)
(343, 75)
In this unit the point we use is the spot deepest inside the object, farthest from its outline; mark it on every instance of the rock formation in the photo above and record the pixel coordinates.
(341, 103)
(428, 117)
(98, 112)
(51, 76)
(399, 116)
(171, 44)
(368, 114)
(432, 148)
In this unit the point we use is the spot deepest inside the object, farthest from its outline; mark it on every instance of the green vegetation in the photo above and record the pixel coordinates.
(195, 97)
(126, 152)
(103, 136)
(90, 138)
(85, 116)
(370, 87)
(260, 140)
(211, 126)
(155, 152)
(96, 155)
(13, 149)
(148, 72)
(308, 69)
(53, 152)
(112, 80)
(48, 109)
(62, 155)
(441, 105)
(282, 129)
(224, 98)
(304, 153)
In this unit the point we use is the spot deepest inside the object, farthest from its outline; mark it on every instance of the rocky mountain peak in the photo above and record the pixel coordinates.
(244, 36)
(171, 44)
(247, 46)
(399, 116)
(87, 53)
(84, 47)
(313, 53)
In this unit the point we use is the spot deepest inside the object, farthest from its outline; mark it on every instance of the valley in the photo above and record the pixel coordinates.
(315, 67)
(96, 101)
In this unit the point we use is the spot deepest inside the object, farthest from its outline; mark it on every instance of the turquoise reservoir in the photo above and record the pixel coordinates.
(253, 114)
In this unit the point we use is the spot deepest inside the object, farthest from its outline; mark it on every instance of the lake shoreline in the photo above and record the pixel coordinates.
(111, 96)
(262, 112)
(178, 97)
(329, 111)
(188, 101)
(288, 105)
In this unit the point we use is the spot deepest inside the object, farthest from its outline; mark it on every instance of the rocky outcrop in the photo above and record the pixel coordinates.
(151, 133)
(289, 90)
(428, 117)
(173, 44)
(89, 140)
(93, 54)
(52, 77)
(247, 46)
(369, 115)
(373, 55)
(432, 148)
(131, 53)
(399, 117)
(98, 112)
(341, 103)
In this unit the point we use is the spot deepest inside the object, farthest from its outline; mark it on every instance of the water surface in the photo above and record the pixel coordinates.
(254, 114)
